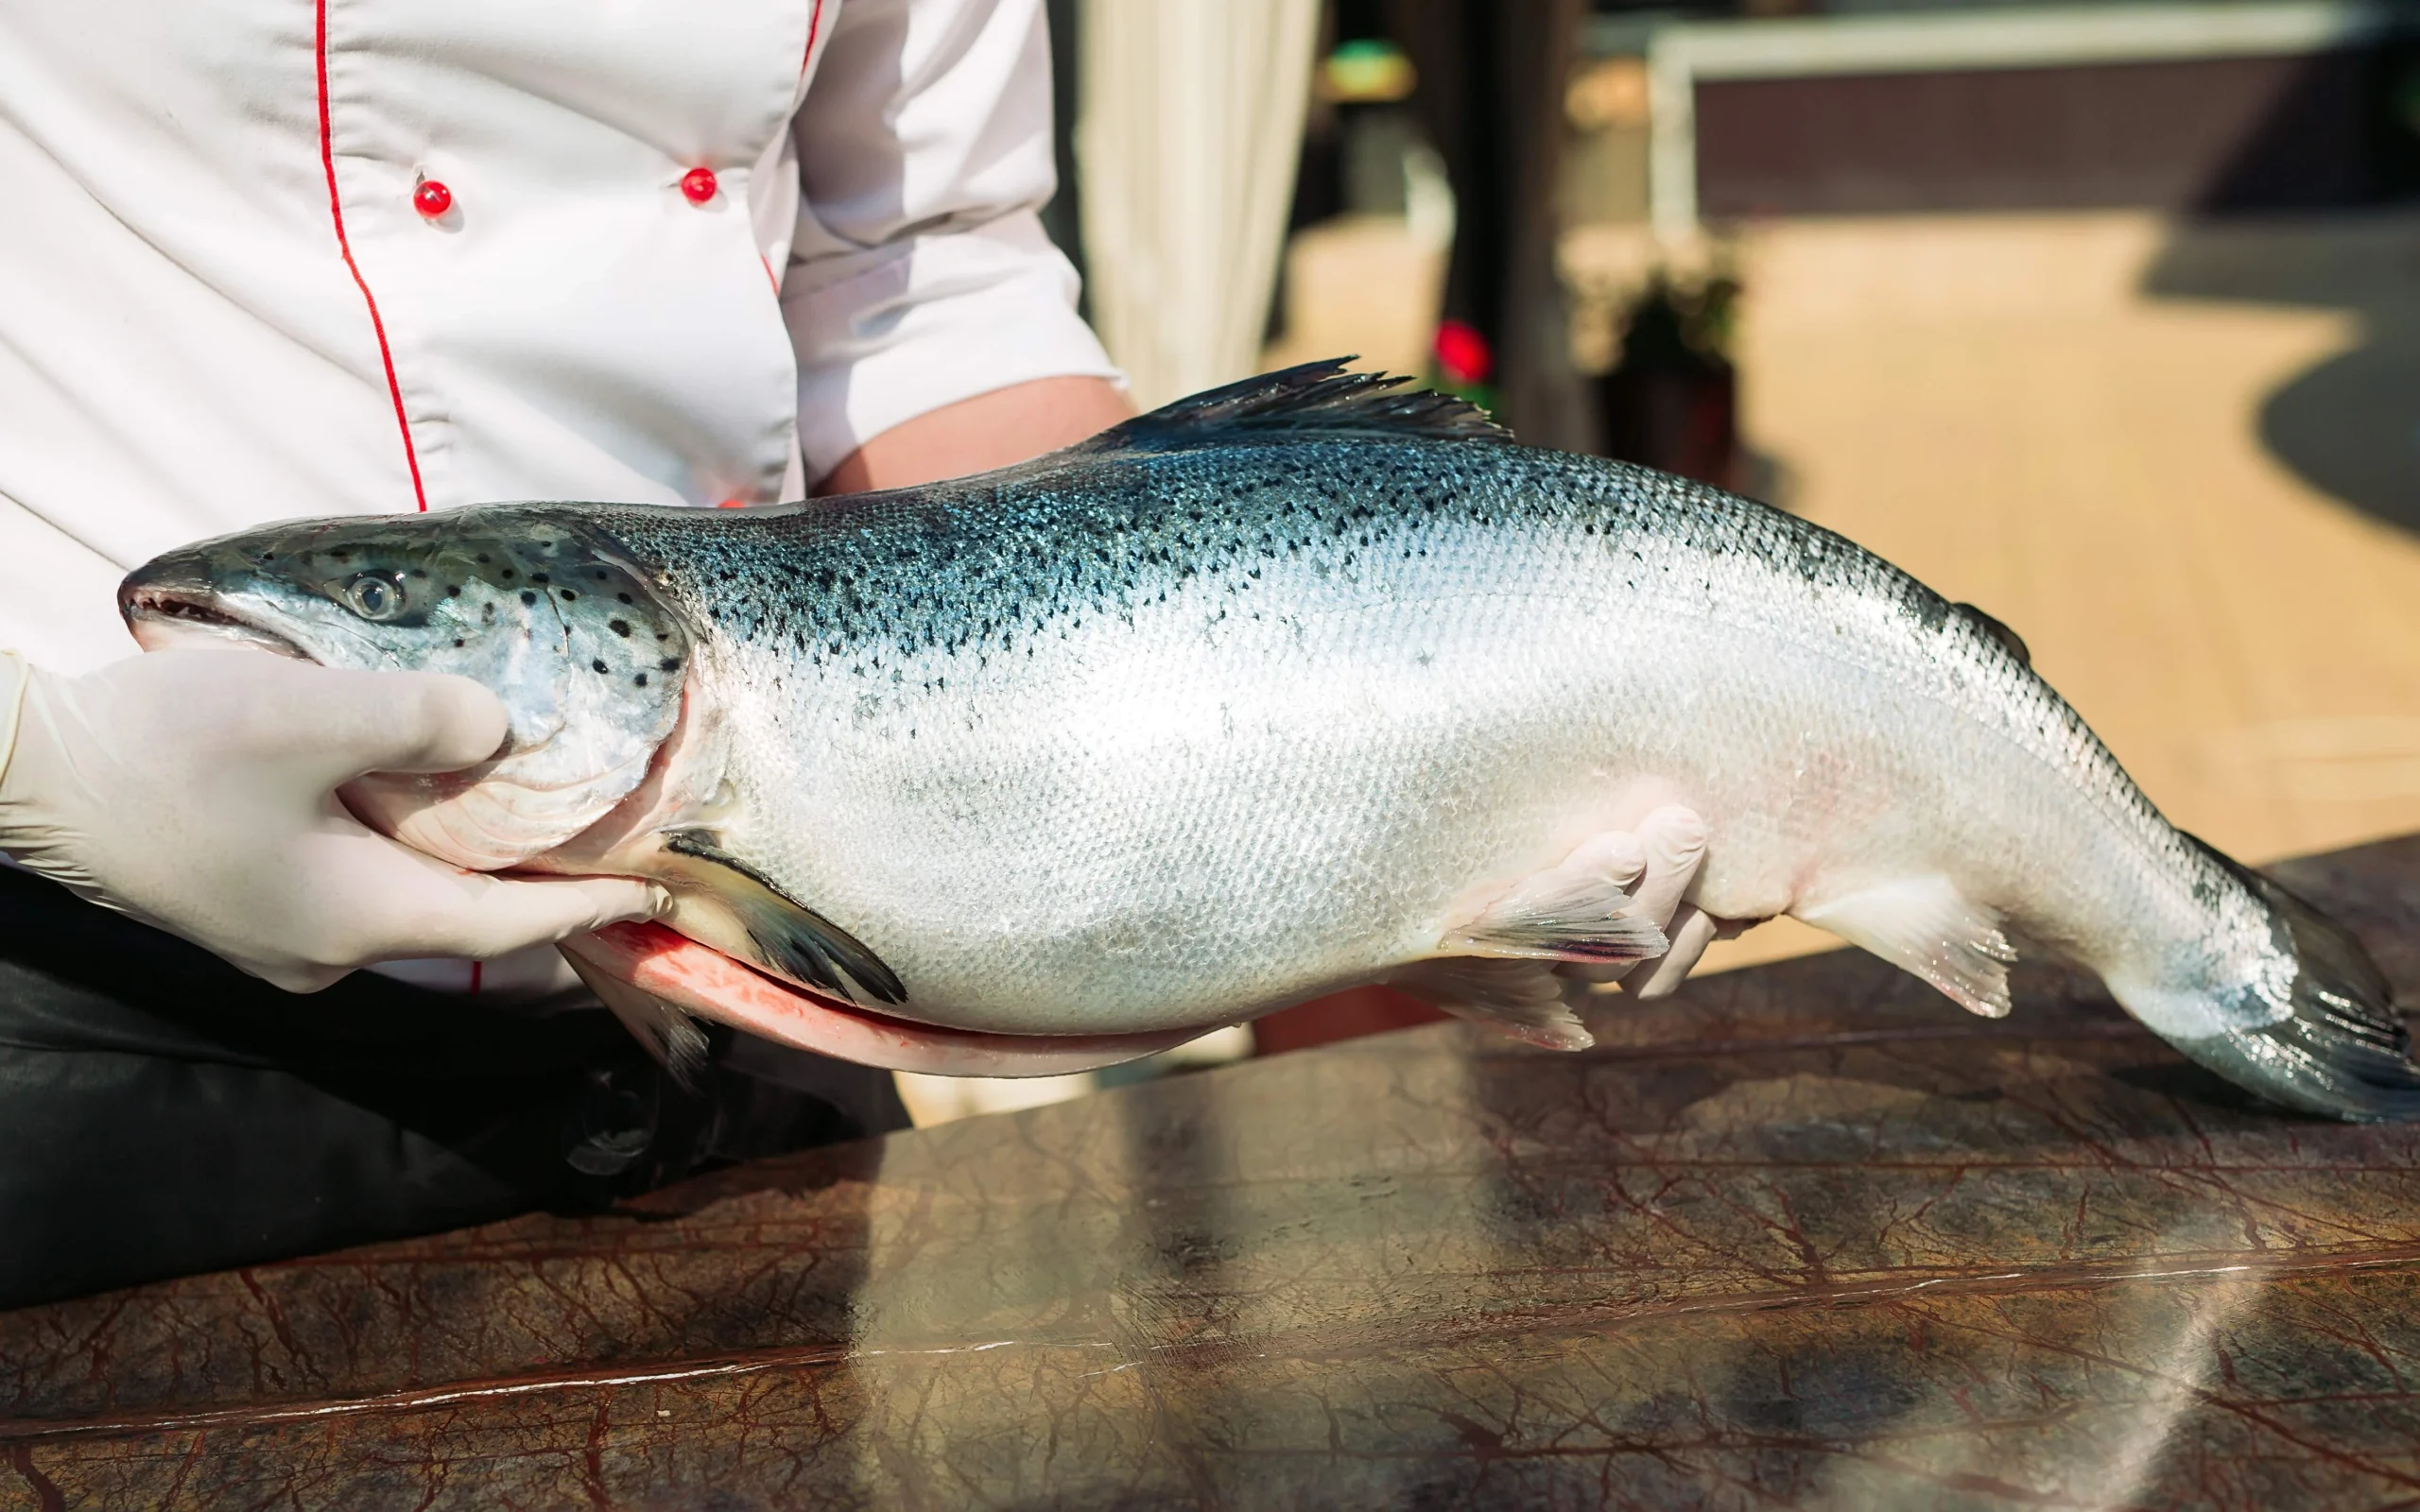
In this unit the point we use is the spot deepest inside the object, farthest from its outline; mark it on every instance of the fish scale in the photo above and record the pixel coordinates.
(1299, 684)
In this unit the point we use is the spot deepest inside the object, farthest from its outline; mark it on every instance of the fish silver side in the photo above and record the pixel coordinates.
(1290, 686)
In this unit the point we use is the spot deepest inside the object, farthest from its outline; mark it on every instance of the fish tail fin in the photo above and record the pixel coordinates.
(2344, 1051)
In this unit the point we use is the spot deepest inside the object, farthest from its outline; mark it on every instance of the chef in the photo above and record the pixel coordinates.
(263, 260)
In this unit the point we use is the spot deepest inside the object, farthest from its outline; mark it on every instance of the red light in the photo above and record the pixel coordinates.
(1462, 354)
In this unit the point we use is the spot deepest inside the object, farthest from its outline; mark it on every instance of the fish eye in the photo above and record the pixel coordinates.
(375, 596)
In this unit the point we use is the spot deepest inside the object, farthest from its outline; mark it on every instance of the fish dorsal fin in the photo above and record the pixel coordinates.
(1316, 399)
(2009, 641)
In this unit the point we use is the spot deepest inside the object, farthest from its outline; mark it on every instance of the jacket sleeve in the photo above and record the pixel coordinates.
(919, 274)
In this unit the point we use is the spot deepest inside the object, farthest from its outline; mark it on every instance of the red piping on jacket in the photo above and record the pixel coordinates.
(344, 244)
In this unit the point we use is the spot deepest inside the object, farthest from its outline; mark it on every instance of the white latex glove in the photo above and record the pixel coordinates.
(1672, 842)
(196, 791)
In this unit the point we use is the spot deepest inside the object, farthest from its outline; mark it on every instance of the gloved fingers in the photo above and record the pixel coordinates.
(1669, 842)
(1673, 838)
(294, 976)
(350, 898)
(476, 916)
(1616, 855)
(1691, 931)
(478, 921)
(513, 913)
(251, 711)
(1595, 973)
(347, 723)
(1656, 864)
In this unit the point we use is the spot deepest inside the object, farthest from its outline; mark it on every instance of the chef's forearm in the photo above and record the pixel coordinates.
(990, 430)
(933, 320)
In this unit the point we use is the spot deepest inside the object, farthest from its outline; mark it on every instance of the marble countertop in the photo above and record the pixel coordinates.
(1806, 1235)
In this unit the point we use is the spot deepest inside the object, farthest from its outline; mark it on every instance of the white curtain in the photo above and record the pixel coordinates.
(1188, 131)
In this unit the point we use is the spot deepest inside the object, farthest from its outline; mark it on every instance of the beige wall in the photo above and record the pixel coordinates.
(2005, 406)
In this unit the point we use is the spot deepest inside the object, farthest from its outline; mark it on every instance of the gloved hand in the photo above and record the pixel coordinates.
(196, 791)
(1670, 843)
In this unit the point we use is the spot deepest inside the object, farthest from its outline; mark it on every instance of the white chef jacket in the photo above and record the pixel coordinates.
(224, 298)
(220, 306)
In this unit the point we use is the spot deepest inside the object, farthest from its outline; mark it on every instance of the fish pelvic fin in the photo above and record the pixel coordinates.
(1578, 910)
(671, 1035)
(1314, 398)
(1524, 999)
(1925, 926)
(790, 938)
(2344, 1051)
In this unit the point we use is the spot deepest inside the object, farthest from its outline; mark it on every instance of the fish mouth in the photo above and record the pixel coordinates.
(169, 619)
(674, 969)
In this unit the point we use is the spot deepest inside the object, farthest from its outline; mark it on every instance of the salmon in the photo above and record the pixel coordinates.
(1295, 685)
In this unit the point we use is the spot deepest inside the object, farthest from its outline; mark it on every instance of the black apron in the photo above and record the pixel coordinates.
(161, 1113)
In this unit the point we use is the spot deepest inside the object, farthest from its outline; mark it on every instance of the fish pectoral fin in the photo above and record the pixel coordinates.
(1927, 927)
(671, 1036)
(1576, 911)
(1521, 997)
(791, 940)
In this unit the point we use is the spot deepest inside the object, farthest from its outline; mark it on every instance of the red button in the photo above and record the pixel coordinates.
(700, 185)
(432, 199)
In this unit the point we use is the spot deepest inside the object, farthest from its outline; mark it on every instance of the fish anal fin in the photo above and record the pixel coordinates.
(1313, 399)
(1927, 927)
(1575, 911)
(790, 939)
(1524, 999)
(2009, 641)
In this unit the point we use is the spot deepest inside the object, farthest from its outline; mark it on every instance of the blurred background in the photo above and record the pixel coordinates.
(2103, 316)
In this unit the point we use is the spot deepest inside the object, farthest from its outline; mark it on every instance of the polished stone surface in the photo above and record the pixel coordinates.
(1803, 1236)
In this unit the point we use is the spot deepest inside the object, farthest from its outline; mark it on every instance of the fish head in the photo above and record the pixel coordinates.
(545, 612)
